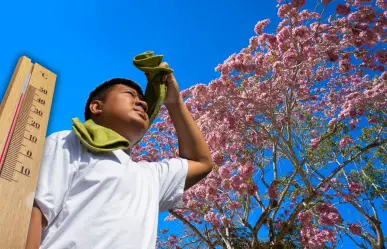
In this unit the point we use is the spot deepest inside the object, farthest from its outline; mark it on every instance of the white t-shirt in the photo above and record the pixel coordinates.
(103, 201)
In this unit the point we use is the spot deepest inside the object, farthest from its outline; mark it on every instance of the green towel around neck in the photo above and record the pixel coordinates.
(98, 138)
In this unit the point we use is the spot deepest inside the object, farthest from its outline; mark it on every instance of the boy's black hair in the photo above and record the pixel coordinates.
(101, 91)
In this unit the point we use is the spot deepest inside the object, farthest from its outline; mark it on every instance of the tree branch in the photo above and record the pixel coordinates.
(335, 171)
(193, 228)
(300, 207)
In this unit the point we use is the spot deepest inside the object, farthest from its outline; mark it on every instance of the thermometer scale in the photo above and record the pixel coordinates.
(24, 114)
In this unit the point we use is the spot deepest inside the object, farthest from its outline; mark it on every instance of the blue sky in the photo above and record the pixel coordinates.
(88, 42)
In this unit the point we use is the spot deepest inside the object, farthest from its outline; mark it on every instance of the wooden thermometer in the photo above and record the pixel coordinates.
(24, 114)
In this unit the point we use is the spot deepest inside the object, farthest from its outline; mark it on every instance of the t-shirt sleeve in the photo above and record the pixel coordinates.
(55, 176)
(172, 175)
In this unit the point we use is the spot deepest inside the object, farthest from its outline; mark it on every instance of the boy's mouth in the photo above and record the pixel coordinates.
(141, 114)
(140, 111)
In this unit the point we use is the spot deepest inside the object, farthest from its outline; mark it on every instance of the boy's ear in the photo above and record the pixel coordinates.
(96, 107)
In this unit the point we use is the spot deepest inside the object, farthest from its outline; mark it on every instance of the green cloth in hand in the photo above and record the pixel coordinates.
(101, 139)
(155, 92)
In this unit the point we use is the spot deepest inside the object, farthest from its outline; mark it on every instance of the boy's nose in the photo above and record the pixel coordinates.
(143, 104)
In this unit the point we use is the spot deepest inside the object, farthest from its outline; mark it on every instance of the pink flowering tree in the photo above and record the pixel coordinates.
(297, 127)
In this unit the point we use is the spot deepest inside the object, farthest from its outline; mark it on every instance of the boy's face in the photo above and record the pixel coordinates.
(123, 111)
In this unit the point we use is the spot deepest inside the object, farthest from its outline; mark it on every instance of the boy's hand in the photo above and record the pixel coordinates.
(173, 93)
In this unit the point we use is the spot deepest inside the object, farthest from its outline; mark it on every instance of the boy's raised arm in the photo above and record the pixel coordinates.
(192, 145)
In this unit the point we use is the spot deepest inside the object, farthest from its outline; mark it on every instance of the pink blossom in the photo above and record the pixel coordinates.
(218, 158)
(246, 171)
(369, 37)
(235, 205)
(329, 219)
(211, 180)
(324, 188)
(290, 58)
(325, 2)
(253, 188)
(372, 121)
(164, 231)
(305, 217)
(253, 43)
(200, 190)
(344, 66)
(381, 4)
(236, 181)
(225, 172)
(269, 40)
(249, 118)
(192, 203)
(211, 193)
(332, 56)
(307, 15)
(366, 14)
(314, 238)
(298, 3)
(169, 218)
(272, 192)
(352, 124)
(355, 229)
(355, 188)
(284, 35)
(323, 207)
(345, 141)
(172, 239)
(233, 157)
(342, 9)
(302, 33)
(260, 26)
(329, 215)
(331, 38)
(243, 189)
(185, 93)
(283, 10)
(315, 142)
(332, 121)
(212, 218)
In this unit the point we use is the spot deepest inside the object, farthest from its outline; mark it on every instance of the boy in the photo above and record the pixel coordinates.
(107, 201)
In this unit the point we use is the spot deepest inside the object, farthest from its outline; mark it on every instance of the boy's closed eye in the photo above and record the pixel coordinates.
(133, 94)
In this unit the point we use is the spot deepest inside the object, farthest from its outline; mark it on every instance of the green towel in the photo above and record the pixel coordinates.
(101, 139)
(155, 92)
(98, 138)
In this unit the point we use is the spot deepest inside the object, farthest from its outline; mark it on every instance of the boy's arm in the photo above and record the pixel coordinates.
(192, 145)
(37, 224)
